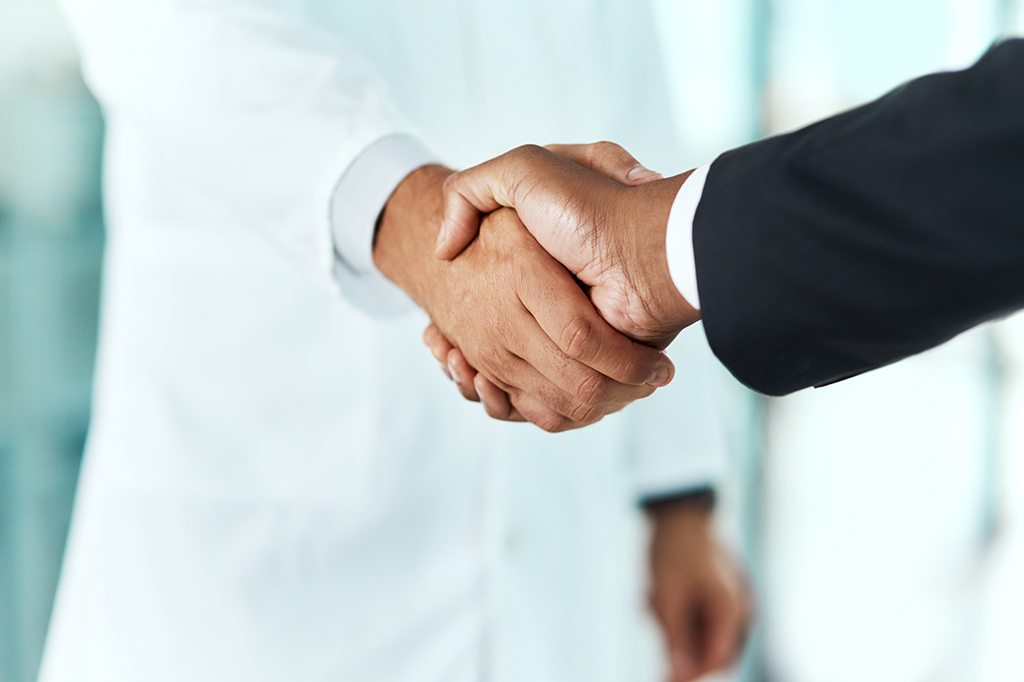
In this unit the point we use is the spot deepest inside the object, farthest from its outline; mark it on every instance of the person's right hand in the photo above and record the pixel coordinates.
(517, 315)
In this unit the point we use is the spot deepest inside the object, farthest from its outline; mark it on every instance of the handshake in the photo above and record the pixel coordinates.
(545, 275)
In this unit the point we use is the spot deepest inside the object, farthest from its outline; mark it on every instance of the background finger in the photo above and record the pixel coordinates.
(496, 401)
(437, 343)
(680, 623)
(462, 374)
(723, 635)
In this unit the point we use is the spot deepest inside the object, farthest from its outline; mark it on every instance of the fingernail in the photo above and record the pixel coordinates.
(453, 374)
(660, 377)
(641, 173)
(447, 372)
(442, 236)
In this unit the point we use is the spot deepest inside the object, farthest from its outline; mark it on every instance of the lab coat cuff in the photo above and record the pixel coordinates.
(679, 236)
(648, 491)
(702, 497)
(358, 201)
(674, 476)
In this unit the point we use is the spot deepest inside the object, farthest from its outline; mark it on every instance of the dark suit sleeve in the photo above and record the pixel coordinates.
(870, 236)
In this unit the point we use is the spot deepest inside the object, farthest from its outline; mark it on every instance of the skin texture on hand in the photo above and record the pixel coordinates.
(519, 317)
(611, 236)
(589, 207)
(697, 592)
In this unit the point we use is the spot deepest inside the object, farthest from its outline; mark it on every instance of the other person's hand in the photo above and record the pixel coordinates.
(517, 315)
(609, 235)
(697, 592)
(567, 225)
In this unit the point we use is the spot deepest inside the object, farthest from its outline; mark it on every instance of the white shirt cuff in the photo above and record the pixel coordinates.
(358, 200)
(679, 236)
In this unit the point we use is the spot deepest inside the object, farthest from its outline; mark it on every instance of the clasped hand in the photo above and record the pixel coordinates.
(558, 297)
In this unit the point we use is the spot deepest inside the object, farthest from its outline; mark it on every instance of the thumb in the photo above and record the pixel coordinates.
(461, 214)
(607, 159)
(480, 189)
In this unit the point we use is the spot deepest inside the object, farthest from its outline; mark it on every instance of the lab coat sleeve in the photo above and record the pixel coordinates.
(263, 111)
(678, 442)
(357, 203)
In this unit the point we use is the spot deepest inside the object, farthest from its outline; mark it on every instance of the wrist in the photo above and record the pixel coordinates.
(404, 245)
(680, 517)
(645, 260)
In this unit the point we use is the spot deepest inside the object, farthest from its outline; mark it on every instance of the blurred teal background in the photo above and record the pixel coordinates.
(882, 518)
(51, 241)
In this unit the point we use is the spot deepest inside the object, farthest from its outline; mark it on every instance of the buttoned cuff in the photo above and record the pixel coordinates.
(359, 198)
(679, 236)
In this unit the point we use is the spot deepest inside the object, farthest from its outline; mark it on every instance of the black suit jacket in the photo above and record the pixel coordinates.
(869, 236)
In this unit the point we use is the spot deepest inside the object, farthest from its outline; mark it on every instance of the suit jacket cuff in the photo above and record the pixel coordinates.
(679, 236)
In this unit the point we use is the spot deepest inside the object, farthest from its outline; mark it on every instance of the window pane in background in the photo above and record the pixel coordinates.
(50, 250)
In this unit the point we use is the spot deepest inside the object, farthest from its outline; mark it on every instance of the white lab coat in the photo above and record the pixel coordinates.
(279, 482)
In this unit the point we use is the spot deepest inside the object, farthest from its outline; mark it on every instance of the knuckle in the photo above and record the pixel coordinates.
(501, 325)
(551, 422)
(585, 413)
(577, 338)
(634, 369)
(453, 184)
(492, 359)
(594, 388)
(603, 151)
(526, 150)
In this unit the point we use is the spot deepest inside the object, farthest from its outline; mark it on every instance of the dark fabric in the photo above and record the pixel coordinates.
(870, 236)
(704, 497)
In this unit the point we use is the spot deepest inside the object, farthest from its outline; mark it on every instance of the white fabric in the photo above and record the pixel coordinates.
(679, 235)
(280, 486)
(355, 208)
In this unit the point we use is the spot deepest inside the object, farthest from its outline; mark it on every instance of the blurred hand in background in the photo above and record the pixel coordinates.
(697, 592)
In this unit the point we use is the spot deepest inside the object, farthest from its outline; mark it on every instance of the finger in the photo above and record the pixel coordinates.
(543, 416)
(567, 317)
(463, 374)
(439, 348)
(608, 159)
(538, 367)
(539, 399)
(496, 401)
(481, 189)
(681, 624)
(438, 344)
(683, 667)
(725, 624)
